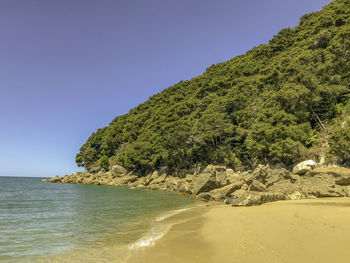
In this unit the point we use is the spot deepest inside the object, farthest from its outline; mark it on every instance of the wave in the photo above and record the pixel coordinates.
(171, 213)
(160, 229)
(156, 233)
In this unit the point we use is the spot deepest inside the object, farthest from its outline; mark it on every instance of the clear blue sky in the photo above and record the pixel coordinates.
(68, 67)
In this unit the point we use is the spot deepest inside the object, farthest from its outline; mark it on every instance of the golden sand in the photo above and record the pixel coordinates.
(287, 231)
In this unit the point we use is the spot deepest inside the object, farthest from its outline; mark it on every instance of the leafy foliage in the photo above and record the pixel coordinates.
(266, 106)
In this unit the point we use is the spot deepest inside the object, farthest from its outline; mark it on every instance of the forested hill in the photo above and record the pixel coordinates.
(279, 103)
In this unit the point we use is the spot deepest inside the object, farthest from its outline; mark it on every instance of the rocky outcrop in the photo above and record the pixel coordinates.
(219, 184)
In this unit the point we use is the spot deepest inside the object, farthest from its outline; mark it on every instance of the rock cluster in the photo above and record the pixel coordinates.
(217, 183)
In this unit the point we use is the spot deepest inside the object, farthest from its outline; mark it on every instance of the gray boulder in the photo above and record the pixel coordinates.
(221, 179)
(276, 175)
(204, 197)
(340, 174)
(205, 183)
(250, 198)
(118, 170)
(220, 194)
(320, 185)
(257, 186)
(304, 167)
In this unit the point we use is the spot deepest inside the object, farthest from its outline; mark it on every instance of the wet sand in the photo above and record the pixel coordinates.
(287, 231)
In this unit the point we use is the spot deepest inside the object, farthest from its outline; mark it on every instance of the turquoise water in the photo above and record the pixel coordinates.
(41, 221)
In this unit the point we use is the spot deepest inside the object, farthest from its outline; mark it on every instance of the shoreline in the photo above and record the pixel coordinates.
(224, 185)
(303, 231)
(108, 249)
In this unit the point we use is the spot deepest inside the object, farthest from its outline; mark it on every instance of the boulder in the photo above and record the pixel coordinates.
(343, 180)
(220, 194)
(285, 187)
(261, 172)
(275, 175)
(245, 187)
(340, 174)
(248, 178)
(233, 177)
(250, 198)
(321, 185)
(257, 186)
(204, 197)
(205, 183)
(185, 188)
(221, 179)
(294, 178)
(304, 167)
(347, 191)
(118, 170)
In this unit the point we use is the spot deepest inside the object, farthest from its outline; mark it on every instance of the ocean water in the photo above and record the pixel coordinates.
(46, 222)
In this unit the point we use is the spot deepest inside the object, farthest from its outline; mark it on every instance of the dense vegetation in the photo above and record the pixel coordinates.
(279, 103)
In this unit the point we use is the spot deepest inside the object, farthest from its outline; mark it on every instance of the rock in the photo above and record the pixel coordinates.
(344, 180)
(118, 170)
(249, 198)
(185, 188)
(276, 175)
(190, 178)
(221, 179)
(295, 196)
(94, 169)
(154, 175)
(340, 174)
(285, 187)
(133, 185)
(233, 177)
(220, 194)
(294, 177)
(209, 169)
(248, 178)
(159, 179)
(124, 180)
(257, 186)
(229, 171)
(55, 179)
(204, 197)
(238, 194)
(219, 168)
(347, 191)
(304, 167)
(205, 183)
(261, 172)
(214, 168)
(245, 187)
(321, 185)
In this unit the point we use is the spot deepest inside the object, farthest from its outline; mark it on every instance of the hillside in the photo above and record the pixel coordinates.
(277, 104)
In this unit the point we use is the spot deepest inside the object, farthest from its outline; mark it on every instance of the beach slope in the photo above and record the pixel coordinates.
(287, 231)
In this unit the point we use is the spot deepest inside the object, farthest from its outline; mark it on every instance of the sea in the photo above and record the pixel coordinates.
(47, 222)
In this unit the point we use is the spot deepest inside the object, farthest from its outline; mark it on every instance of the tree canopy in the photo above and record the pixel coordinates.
(271, 105)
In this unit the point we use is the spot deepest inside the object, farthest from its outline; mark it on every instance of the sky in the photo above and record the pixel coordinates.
(68, 67)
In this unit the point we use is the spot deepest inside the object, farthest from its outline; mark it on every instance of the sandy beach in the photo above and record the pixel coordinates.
(300, 231)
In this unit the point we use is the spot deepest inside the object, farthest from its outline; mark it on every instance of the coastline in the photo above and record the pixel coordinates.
(303, 231)
(224, 185)
(109, 249)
